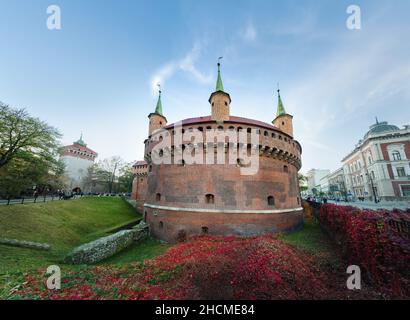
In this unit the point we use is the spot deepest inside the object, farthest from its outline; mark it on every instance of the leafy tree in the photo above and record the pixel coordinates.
(125, 179)
(302, 182)
(28, 154)
(21, 134)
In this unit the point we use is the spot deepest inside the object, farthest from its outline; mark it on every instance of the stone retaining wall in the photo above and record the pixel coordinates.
(106, 247)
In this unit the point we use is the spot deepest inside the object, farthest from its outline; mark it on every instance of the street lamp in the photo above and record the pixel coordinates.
(373, 190)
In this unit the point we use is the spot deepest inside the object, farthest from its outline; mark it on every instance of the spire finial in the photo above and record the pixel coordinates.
(219, 85)
(281, 109)
(377, 121)
(158, 108)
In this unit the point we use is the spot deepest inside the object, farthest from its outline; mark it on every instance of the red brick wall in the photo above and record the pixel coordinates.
(385, 153)
(220, 224)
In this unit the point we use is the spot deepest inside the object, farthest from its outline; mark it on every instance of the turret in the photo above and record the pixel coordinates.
(283, 120)
(220, 100)
(157, 119)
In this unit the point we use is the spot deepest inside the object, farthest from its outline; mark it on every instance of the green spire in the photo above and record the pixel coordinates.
(219, 85)
(158, 109)
(281, 109)
(80, 141)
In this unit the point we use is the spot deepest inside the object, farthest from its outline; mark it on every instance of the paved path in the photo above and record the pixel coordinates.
(371, 205)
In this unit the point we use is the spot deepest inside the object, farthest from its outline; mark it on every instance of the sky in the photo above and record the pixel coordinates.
(98, 73)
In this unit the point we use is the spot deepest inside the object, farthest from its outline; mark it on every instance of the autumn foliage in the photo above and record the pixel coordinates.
(201, 268)
(368, 240)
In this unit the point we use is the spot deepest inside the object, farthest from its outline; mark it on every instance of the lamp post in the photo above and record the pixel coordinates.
(371, 182)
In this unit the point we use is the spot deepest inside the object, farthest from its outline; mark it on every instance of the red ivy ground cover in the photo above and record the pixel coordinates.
(368, 241)
(203, 268)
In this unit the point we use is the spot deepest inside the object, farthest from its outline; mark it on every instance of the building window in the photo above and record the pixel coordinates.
(205, 230)
(226, 103)
(405, 189)
(161, 225)
(370, 160)
(373, 175)
(220, 128)
(266, 133)
(145, 216)
(271, 201)
(200, 129)
(401, 172)
(298, 200)
(273, 135)
(249, 130)
(158, 197)
(396, 155)
(285, 169)
(210, 199)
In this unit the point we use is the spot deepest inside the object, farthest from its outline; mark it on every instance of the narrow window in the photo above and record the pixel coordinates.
(265, 133)
(204, 230)
(161, 225)
(226, 103)
(158, 197)
(210, 199)
(271, 201)
(249, 130)
(145, 216)
(285, 169)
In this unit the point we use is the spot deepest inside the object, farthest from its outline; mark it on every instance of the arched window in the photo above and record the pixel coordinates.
(205, 230)
(226, 103)
(220, 128)
(161, 153)
(273, 135)
(285, 168)
(265, 133)
(232, 128)
(158, 197)
(208, 128)
(271, 201)
(396, 155)
(210, 199)
(161, 225)
(249, 130)
(200, 129)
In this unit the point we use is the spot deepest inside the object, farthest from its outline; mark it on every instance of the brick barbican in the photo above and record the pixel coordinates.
(180, 200)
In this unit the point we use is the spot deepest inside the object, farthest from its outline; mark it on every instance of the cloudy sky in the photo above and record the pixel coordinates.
(97, 74)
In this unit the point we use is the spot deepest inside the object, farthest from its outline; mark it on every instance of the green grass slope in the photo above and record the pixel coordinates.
(62, 224)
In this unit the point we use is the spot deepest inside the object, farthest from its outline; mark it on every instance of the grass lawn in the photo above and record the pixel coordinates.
(147, 249)
(314, 241)
(62, 224)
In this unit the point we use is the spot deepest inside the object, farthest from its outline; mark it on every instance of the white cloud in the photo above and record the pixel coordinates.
(250, 32)
(186, 64)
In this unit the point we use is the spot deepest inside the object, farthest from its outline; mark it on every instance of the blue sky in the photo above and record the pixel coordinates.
(97, 74)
